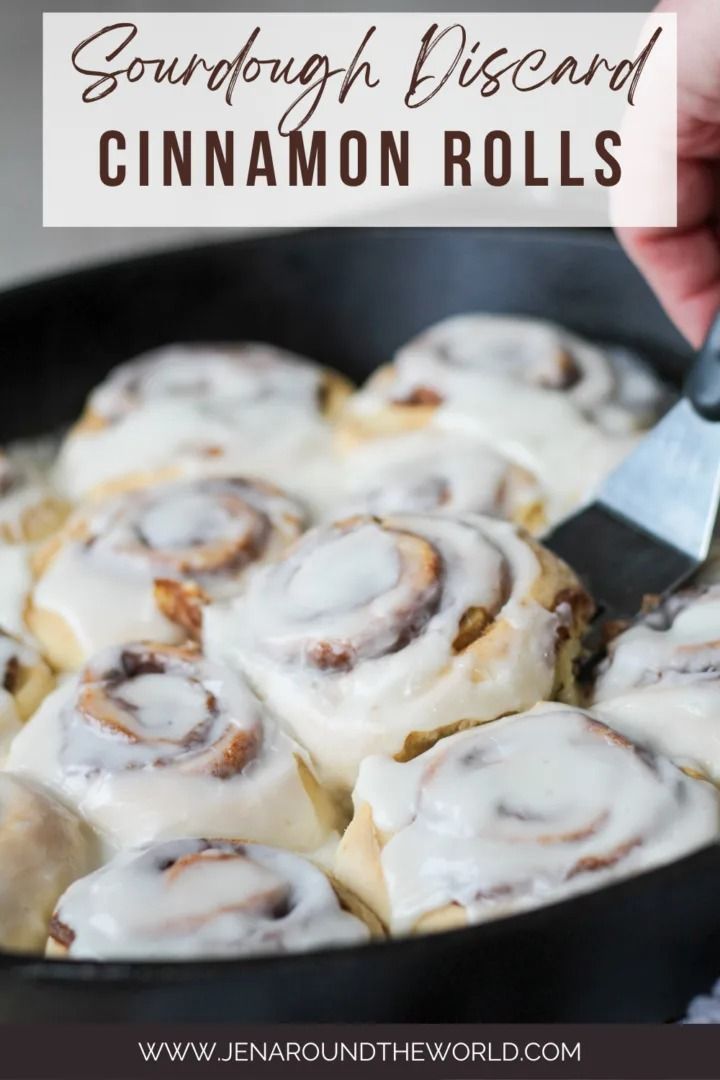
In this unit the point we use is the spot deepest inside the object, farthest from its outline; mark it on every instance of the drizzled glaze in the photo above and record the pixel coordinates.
(191, 898)
(522, 812)
(371, 630)
(154, 741)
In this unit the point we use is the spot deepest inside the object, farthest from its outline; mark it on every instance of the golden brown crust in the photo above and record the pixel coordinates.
(358, 866)
(33, 684)
(182, 603)
(36, 522)
(57, 638)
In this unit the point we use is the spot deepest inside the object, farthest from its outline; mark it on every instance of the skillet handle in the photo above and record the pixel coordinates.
(702, 386)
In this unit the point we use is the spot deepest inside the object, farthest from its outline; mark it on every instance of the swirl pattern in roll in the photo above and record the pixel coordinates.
(25, 679)
(200, 410)
(432, 471)
(378, 635)
(143, 565)
(525, 811)
(43, 848)
(203, 898)
(152, 741)
(532, 392)
(661, 681)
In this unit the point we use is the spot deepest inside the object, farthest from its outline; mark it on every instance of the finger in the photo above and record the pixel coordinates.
(682, 265)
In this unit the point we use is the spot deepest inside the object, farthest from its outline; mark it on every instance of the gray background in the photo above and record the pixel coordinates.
(26, 249)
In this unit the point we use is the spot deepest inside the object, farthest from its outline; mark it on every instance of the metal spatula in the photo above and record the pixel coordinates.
(651, 524)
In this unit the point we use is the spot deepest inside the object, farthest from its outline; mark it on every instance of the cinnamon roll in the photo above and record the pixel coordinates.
(143, 565)
(43, 848)
(379, 635)
(25, 679)
(661, 681)
(432, 471)
(153, 741)
(522, 812)
(201, 410)
(533, 392)
(186, 899)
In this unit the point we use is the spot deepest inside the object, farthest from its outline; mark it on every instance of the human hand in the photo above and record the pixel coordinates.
(683, 264)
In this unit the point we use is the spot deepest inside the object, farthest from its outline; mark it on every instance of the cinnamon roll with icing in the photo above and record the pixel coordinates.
(25, 679)
(204, 898)
(43, 848)
(519, 813)
(432, 471)
(534, 393)
(198, 410)
(661, 681)
(153, 741)
(379, 635)
(143, 565)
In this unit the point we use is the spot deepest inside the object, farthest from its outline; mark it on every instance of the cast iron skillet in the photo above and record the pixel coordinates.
(636, 951)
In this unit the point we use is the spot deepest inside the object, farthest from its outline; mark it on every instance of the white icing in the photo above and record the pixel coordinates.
(497, 377)
(248, 372)
(222, 900)
(525, 811)
(43, 847)
(104, 589)
(345, 588)
(432, 471)
(161, 772)
(661, 684)
(251, 410)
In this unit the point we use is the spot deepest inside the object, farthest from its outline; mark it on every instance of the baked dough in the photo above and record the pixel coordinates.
(522, 812)
(43, 848)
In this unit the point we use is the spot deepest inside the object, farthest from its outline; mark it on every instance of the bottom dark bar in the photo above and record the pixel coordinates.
(425, 1051)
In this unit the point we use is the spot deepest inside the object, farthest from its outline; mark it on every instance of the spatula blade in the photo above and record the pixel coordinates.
(618, 563)
(651, 525)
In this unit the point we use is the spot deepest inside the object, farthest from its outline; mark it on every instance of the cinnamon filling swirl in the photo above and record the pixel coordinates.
(145, 565)
(356, 591)
(199, 530)
(152, 706)
(523, 811)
